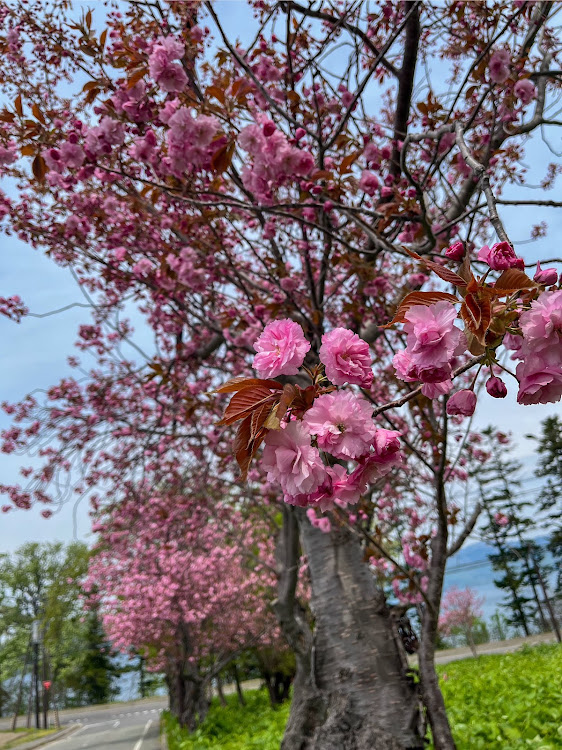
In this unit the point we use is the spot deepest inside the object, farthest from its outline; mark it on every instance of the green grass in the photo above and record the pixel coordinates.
(27, 735)
(496, 702)
(255, 726)
(507, 701)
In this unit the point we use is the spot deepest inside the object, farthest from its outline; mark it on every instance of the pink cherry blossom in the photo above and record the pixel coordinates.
(433, 340)
(290, 460)
(542, 323)
(8, 154)
(346, 358)
(281, 349)
(385, 454)
(500, 257)
(525, 90)
(169, 75)
(499, 65)
(540, 378)
(433, 390)
(462, 403)
(369, 182)
(342, 423)
(501, 519)
(338, 488)
(432, 335)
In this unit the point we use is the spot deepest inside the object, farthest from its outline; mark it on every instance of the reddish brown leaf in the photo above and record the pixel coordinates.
(441, 271)
(215, 91)
(91, 95)
(476, 312)
(38, 114)
(222, 158)
(418, 298)
(258, 418)
(244, 402)
(18, 105)
(39, 168)
(346, 163)
(465, 272)
(237, 384)
(290, 392)
(103, 37)
(246, 446)
(136, 77)
(513, 280)
(28, 150)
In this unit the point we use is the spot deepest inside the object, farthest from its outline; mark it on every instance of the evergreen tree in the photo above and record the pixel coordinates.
(510, 517)
(93, 678)
(550, 466)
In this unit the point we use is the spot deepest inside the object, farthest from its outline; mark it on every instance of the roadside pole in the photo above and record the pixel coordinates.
(36, 637)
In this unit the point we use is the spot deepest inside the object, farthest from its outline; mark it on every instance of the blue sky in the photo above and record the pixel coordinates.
(36, 349)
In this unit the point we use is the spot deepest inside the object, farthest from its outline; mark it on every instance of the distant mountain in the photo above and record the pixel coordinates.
(471, 568)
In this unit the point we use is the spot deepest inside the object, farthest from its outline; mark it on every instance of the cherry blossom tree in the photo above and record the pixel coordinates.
(185, 587)
(460, 611)
(314, 202)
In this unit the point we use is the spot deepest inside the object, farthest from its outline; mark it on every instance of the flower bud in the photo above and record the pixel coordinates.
(463, 403)
(456, 251)
(496, 387)
(546, 276)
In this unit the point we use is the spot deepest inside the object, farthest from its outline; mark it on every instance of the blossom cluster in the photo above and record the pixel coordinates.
(339, 424)
(540, 351)
(432, 343)
(275, 160)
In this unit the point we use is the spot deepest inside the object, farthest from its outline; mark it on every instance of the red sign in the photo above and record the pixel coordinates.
(47, 684)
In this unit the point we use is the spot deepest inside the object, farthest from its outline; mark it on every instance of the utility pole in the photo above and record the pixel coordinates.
(36, 638)
(46, 687)
(20, 689)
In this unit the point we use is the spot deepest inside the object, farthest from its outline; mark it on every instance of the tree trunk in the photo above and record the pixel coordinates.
(220, 693)
(239, 691)
(189, 702)
(429, 612)
(351, 691)
(470, 641)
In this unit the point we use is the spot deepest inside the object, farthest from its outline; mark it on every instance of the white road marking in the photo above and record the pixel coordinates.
(139, 743)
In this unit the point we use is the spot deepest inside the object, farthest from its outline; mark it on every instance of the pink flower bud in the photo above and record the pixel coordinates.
(525, 90)
(463, 403)
(546, 277)
(456, 251)
(500, 257)
(300, 133)
(496, 387)
(269, 128)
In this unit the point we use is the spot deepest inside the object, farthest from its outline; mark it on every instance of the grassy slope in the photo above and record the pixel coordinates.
(497, 702)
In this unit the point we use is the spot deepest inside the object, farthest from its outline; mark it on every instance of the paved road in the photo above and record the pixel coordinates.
(117, 726)
(493, 647)
(114, 730)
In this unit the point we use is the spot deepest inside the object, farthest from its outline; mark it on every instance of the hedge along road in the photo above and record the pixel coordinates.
(123, 730)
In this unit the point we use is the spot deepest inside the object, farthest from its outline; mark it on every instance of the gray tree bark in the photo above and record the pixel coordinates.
(352, 690)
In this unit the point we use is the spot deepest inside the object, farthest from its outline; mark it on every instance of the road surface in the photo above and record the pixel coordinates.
(118, 726)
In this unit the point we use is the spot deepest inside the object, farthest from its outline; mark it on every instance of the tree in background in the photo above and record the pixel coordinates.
(313, 190)
(549, 466)
(187, 581)
(461, 611)
(44, 582)
(512, 516)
